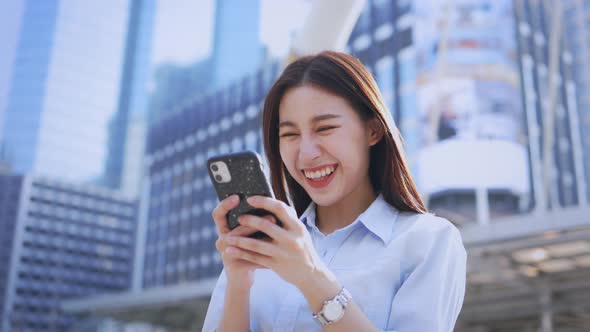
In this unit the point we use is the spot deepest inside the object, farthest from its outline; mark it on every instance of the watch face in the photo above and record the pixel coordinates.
(333, 310)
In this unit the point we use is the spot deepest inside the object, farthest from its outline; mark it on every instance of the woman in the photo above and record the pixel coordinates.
(363, 255)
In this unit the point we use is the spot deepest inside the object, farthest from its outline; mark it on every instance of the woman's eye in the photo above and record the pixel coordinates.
(288, 135)
(326, 128)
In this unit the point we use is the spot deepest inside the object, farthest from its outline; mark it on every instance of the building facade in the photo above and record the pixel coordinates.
(576, 32)
(180, 234)
(236, 52)
(494, 60)
(126, 141)
(62, 241)
(60, 84)
(237, 31)
(549, 89)
(10, 188)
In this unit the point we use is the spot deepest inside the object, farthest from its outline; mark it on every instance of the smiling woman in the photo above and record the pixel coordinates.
(358, 250)
(339, 85)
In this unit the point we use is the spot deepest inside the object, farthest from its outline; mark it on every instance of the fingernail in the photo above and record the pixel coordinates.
(231, 240)
(233, 198)
(231, 250)
(252, 199)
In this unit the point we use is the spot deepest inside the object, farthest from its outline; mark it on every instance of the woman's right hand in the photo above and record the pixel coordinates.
(239, 273)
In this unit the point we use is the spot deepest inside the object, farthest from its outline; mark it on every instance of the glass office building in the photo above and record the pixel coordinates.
(236, 52)
(236, 37)
(60, 85)
(541, 82)
(180, 234)
(10, 188)
(60, 241)
(127, 127)
(493, 60)
(576, 28)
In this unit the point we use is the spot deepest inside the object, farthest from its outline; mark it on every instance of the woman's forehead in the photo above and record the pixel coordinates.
(307, 103)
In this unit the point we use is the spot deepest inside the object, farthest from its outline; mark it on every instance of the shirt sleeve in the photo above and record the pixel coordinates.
(215, 309)
(433, 287)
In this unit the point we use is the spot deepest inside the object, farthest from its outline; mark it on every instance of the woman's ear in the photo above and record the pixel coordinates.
(375, 131)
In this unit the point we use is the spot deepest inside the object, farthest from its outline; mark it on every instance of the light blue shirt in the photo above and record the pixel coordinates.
(406, 271)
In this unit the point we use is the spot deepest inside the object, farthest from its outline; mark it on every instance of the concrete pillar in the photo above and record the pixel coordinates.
(482, 205)
(546, 310)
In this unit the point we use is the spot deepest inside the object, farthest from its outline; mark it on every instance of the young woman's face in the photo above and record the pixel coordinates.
(324, 144)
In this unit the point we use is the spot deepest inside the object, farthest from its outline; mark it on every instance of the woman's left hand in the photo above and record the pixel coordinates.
(289, 252)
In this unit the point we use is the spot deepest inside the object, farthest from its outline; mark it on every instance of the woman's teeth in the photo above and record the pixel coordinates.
(320, 173)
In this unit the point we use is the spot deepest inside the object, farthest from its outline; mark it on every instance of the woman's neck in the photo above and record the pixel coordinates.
(345, 211)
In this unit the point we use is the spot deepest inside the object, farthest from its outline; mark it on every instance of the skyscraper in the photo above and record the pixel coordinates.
(550, 105)
(59, 84)
(127, 126)
(576, 31)
(492, 58)
(237, 50)
(10, 189)
(59, 241)
(496, 60)
(179, 234)
(60, 104)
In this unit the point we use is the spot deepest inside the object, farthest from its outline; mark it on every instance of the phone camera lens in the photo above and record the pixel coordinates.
(218, 178)
(214, 168)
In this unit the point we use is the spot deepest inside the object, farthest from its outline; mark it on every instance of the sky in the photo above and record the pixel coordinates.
(178, 21)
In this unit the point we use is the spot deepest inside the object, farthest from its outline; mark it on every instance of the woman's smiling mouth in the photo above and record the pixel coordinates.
(319, 177)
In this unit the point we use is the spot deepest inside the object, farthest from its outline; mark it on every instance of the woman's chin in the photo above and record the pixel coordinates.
(326, 196)
(324, 199)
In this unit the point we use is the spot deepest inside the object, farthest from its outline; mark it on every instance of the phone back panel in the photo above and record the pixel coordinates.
(247, 179)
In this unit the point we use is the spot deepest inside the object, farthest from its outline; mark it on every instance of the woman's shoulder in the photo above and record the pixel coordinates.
(426, 227)
(422, 236)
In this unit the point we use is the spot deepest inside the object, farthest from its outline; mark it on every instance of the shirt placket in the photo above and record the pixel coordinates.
(331, 244)
(321, 245)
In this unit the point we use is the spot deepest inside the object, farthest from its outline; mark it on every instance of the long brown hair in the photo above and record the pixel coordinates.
(344, 76)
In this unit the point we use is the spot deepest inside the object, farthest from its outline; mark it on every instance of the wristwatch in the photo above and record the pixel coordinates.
(333, 309)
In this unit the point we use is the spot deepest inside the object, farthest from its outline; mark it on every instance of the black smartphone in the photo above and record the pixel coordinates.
(240, 173)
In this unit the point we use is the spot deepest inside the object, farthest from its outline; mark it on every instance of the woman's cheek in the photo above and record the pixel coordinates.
(333, 144)
(284, 152)
(288, 158)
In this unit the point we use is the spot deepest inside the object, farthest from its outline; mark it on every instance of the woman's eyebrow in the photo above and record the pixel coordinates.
(317, 118)
(286, 124)
(324, 117)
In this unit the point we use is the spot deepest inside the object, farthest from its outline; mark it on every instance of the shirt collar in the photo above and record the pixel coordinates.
(308, 216)
(378, 218)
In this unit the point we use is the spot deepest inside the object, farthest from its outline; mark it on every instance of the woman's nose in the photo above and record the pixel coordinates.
(308, 149)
